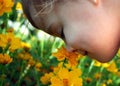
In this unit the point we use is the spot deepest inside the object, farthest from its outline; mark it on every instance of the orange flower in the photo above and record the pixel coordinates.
(5, 59)
(5, 6)
(61, 54)
(72, 57)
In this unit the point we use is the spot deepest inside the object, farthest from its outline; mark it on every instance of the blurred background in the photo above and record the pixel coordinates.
(27, 56)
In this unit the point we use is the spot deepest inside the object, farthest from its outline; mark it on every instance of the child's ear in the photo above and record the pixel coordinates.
(95, 2)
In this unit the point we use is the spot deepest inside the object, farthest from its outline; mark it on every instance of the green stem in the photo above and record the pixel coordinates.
(98, 82)
(91, 66)
(6, 17)
(6, 48)
(38, 82)
(1, 83)
(25, 72)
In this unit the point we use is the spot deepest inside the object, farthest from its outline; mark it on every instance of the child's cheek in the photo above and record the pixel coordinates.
(100, 44)
(96, 32)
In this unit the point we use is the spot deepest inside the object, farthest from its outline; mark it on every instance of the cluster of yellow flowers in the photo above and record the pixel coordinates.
(5, 6)
(63, 76)
(66, 73)
(111, 67)
(8, 42)
(26, 56)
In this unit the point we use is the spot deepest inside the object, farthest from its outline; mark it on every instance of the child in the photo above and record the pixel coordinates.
(90, 27)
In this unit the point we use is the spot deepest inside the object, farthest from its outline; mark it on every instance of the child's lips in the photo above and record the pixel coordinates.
(82, 52)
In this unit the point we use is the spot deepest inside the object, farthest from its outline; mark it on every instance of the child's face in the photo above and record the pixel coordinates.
(84, 27)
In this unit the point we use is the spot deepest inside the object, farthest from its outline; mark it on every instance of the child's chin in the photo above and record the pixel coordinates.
(103, 56)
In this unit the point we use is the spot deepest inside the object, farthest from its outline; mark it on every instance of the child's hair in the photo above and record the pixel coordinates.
(41, 7)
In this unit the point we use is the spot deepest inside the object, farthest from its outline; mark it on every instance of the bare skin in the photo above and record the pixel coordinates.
(88, 28)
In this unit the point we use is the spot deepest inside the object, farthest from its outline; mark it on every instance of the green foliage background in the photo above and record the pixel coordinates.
(17, 73)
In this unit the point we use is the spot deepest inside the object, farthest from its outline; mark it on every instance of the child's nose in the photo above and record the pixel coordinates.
(71, 49)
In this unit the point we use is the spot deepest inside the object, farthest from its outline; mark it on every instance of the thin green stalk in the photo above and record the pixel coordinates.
(42, 46)
(81, 61)
(23, 73)
(1, 83)
(91, 66)
(38, 80)
(98, 82)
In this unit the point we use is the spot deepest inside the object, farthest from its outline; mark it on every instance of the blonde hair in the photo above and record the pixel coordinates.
(44, 7)
(41, 7)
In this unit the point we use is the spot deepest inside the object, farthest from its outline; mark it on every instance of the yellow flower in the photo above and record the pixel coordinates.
(109, 81)
(64, 77)
(9, 39)
(55, 81)
(103, 84)
(61, 54)
(18, 6)
(25, 56)
(15, 44)
(112, 67)
(10, 30)
(3, 41)
(99, 64)
(88, 80)
(37, 66)
(26, 46)
(69, 66)
(118, 53)
(63, 73)
(56, 69)
(118, 73)
(5, 59)
(72, 57)
(46, 78)
(97, 76)
(75, 72)
(5, 6)
(31, 62)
